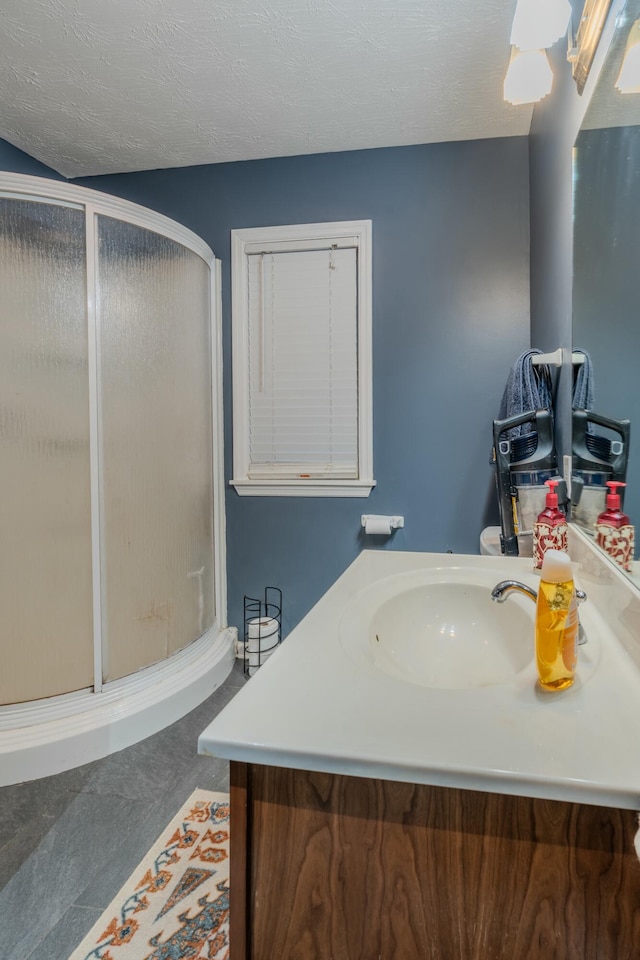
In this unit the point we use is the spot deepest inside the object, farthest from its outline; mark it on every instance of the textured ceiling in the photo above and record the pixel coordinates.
(104, 86)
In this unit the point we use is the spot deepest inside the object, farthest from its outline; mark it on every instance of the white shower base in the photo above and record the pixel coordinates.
(49, 736)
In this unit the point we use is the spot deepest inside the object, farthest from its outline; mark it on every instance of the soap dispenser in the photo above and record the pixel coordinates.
(557, 623)
(614, 531)
(550, 529)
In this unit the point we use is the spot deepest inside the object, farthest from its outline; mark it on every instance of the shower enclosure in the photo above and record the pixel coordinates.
(112, 589)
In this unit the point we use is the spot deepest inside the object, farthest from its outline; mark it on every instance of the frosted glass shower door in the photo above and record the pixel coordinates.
(155, 400)
(46, 625)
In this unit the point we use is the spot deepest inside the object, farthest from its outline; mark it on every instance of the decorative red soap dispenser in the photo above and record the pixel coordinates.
(550, 529)
(614, 531)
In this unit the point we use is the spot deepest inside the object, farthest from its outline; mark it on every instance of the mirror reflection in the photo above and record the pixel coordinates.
(606, 301)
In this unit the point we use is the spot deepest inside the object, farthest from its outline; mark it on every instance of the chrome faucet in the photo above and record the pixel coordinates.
(502, 590)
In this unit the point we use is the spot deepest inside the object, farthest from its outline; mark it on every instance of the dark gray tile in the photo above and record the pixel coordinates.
(68, 932)
(24, 804)
(67, 858)
(69, 842)
(148, 769)
(189, 727)
(117, 868)
(24, 842)
(29, 810)
(122, 861)
(237, 676)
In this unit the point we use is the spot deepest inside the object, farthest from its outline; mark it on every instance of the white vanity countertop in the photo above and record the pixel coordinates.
(314, 706)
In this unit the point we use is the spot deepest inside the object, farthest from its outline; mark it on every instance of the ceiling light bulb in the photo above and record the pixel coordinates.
(629, 77)
(539, 23)
(529, 77)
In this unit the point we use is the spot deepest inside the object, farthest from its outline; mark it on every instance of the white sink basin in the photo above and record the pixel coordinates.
(440, 628)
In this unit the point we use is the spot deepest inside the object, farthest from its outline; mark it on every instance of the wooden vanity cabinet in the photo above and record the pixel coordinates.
(332, 867)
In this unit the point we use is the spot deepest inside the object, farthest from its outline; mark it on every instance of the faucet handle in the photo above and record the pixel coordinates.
(580, 598)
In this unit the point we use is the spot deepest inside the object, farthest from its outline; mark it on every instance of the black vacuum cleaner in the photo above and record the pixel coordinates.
(596, 459)
(523, 463)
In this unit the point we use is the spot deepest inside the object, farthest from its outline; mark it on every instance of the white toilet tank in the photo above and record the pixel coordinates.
(490, 542)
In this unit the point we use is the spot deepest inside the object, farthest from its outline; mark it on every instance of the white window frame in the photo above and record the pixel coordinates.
(299, 236)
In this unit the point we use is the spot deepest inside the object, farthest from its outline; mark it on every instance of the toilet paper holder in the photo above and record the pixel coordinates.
(377, 524)
(262, 628)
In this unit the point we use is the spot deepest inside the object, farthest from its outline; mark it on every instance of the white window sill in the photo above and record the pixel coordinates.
(306, 488)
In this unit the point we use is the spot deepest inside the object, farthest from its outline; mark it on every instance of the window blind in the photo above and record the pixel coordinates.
(303, 363)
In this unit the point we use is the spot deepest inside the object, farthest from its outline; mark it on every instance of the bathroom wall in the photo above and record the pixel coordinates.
(451, 313)
(606, 296)
(606, 271)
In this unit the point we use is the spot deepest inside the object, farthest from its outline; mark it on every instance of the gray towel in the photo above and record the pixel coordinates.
(583, 384)
(527, 388)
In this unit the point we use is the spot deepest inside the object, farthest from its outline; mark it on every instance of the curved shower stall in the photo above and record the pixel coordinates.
(112, 586)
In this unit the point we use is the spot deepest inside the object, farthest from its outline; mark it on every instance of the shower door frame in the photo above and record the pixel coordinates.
(202, 663)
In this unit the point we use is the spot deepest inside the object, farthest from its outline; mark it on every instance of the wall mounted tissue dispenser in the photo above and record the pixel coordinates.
(374, 524)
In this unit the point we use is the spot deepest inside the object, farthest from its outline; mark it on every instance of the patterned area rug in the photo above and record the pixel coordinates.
(175, 905)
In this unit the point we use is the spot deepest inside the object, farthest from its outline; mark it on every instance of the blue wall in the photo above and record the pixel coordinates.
(451, 313)
(16, 161)
(607, 218)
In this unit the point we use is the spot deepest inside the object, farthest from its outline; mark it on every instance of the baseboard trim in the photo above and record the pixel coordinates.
(50, 736)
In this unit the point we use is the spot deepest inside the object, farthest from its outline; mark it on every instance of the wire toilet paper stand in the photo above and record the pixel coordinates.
(262, 628)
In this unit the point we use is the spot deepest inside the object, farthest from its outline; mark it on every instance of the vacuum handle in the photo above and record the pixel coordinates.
(589, 459)
(621, 427)
(543, 455)
(500, 425)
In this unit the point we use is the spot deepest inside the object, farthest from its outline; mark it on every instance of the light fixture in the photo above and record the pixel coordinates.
(529, 77)
(629, 77)
(537, 24)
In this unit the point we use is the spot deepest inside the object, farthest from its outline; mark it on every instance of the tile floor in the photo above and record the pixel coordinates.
(68, 842)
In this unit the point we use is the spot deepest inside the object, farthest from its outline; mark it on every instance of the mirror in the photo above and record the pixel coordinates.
(606, 286)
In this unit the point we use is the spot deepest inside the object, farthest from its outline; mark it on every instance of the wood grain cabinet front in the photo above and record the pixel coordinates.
(331, 867)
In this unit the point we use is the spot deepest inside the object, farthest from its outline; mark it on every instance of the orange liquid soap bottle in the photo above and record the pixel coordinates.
(550, 529)
(556, 623)
(614, 531)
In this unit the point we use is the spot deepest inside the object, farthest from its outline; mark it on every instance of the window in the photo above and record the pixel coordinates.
(301, 318)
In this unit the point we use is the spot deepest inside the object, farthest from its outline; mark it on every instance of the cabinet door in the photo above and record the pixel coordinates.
(155, 400)
(45, 506)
